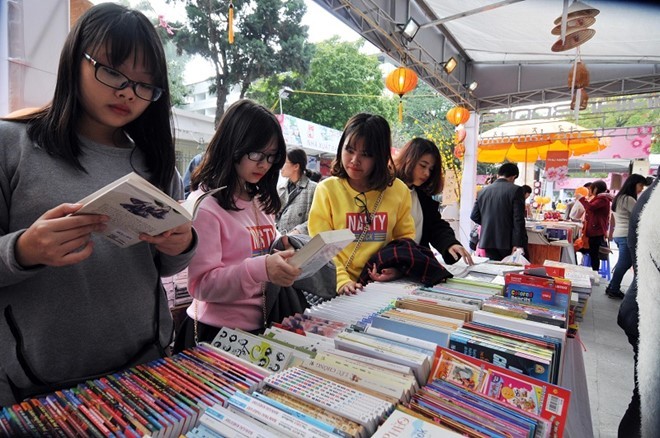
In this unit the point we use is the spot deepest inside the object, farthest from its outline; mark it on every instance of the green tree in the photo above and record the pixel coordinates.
(269, 39)
(341, 82)
(639, 114)
(176, 62)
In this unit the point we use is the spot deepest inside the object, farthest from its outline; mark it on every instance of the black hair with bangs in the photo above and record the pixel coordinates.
(407, 159)
(245, 127)
(122, 33)
(375, 131)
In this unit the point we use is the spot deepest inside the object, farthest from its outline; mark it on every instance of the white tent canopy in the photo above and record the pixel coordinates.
(506, 46)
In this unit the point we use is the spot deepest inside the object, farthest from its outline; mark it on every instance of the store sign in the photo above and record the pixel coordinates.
(556, 166)
(299, 133)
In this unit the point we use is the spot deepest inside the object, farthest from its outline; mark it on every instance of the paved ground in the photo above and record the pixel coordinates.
(608, 360)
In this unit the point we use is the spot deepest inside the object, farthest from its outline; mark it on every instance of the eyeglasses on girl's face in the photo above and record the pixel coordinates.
(260, 156)
(117, 80)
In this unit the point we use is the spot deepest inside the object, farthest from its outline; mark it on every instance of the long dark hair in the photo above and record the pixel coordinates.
(245, 127)
(375, 131)
(122, 33)
(629, 188)
(408, 157)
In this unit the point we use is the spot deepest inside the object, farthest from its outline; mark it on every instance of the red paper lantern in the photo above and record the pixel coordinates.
(458, 115)
(459, 151)
(585, 167)
(401, 81)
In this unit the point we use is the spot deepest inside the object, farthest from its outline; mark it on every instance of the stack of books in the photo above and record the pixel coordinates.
(496, 395)
(582, 279)
(165, 397)
(366, 410)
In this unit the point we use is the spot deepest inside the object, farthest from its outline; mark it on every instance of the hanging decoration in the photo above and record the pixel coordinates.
(586, 167)
(578, 80)
(230, 23)
(458, 115)
(459, 151)
(573, 28)
(402, 80)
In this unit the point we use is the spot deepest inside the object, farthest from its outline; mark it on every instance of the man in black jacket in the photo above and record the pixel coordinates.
(500, 210)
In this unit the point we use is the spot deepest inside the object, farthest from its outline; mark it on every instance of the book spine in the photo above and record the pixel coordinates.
(306, 418)
(46, 418)
(241, 425)
(136, 406)
(72, 408)
(110, 414)
(68, 425)
(15, 422)
(117, 400)
(278, 419)
(34, 418)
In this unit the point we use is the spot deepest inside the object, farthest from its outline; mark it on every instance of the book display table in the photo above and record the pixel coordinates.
(552, 241)
(575, 379)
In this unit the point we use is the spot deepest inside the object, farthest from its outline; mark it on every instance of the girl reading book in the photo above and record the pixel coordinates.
(236, 227)
(74, 305)
(418, 164)
(364, 196)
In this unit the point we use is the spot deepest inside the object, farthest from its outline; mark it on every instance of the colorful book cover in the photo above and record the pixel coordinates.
(501, 355)
(538, 290)
(404, 425)
(524, 393)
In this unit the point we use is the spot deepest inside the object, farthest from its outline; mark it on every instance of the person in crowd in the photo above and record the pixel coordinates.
(500, 210)
(236, 226)
(418, 164)
(577, 212)
(596, 219)
(192, 165)
(622, 207)
(648, 300)
(527, 192)
(296, 194)
(364, 196)
(628, 318)
(315, 176)
(570, 203)
(74, 305)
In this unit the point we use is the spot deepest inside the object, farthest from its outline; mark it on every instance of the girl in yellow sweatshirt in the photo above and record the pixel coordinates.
(364, 196)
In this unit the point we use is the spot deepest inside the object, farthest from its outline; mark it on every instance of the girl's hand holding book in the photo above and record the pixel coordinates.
(172, 242)
(280, 271)
(58, 239)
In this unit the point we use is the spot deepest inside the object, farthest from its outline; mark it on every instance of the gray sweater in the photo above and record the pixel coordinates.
(624, 208)
(85, 319)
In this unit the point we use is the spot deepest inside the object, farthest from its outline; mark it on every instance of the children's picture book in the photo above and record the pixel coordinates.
(320, 250)
(538, 290)
(257, 350)
(405, 425)
(136, 206)
(519, 391)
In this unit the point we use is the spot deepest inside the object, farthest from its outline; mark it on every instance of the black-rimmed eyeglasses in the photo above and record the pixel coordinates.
(260, 156)
(117, 80)
(361, 202)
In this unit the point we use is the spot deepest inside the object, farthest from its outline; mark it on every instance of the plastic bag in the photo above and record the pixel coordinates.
(474, 238)
(517, 258)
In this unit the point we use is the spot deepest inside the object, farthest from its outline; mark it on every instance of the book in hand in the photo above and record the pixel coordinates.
(320, 250)
(136, 206)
